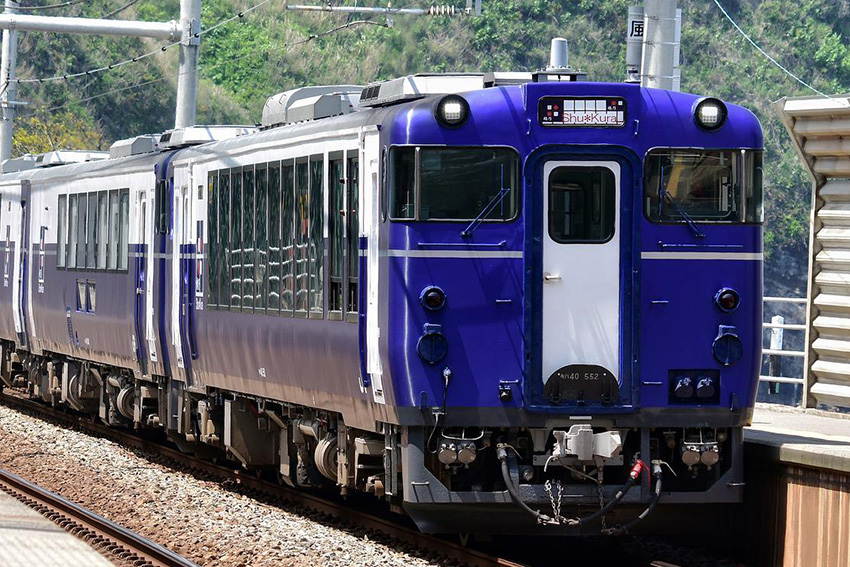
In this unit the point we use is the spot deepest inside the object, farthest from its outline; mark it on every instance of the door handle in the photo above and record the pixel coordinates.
(547, 277)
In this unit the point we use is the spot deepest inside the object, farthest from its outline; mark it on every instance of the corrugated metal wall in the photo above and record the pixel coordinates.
(820, 129)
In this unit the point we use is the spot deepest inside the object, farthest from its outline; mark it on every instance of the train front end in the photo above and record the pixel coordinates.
(574, 285)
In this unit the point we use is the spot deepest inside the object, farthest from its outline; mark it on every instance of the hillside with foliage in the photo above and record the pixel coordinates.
(270, 50)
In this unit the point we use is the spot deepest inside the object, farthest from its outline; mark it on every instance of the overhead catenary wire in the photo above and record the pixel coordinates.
(763, 52)
(51, 6)
(143, 56)
(93, 97)
(118, 10)
(214, 65)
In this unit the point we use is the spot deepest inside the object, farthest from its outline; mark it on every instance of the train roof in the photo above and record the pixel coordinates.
(378, 104)
(104, 167)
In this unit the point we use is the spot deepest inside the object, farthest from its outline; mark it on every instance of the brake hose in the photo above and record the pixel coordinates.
(634, 474)
(622, 530)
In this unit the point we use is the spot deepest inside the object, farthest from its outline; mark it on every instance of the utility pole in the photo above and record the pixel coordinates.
(8, 85)
(659, 64)
(186, 31)
(187, 73)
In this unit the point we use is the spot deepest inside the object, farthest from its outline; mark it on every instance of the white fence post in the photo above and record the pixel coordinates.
(775, 361)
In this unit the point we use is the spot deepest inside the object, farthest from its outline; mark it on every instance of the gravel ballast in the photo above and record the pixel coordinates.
(201, 520)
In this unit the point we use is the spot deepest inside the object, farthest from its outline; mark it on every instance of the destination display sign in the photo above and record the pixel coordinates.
(582, 112)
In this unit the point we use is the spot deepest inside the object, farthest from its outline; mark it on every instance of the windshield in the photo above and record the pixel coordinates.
(459, 184)
(703, 185)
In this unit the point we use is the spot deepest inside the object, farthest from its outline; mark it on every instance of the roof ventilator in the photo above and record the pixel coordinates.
(134, 146)
(194, 135)
(310, 103)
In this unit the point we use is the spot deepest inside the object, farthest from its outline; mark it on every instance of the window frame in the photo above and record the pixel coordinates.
(336, 189)
(739, 171)
(389, 187)
(617, 206)
(101, 239)
(112, 254)
(102, 251)
(316, 301)
(61, 230)
(273, 237)
(352, 238)
(211, 244)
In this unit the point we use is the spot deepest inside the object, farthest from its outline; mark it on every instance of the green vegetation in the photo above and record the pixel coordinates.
(271, 50)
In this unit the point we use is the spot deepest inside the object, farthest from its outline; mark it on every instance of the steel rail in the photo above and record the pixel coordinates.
(410, 536)
(84, 523)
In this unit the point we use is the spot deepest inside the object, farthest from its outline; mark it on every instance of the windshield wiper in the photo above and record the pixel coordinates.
(682, 212)
(666, 195)
(497, 198)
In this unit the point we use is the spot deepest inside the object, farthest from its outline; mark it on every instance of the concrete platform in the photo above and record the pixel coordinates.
(28, 539)
(803, 437)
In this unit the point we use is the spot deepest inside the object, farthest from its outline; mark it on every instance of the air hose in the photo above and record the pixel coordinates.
(502, 454)
(634, 474)
(624, 529)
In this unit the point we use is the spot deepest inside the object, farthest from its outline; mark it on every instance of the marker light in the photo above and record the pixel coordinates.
(684, 388)
(727, 299)
(705, 387)
(432, 298)
(452, 111)
(710, 114)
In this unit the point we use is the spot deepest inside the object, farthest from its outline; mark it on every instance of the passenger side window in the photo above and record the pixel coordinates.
(288, 215)
(82, 207)
(224, 246)
(336, 231)
(261, 177)
(236, 238)
(274, 256)
(101, 238)
(124, 222)
(353, 236)
(212, 250)
(317, 226)
(114, 231)
(302, 237)
(92, 230)
(73, 232)
(247, 245)
(62, 231)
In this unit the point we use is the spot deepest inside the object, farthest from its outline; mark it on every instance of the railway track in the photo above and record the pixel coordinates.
(258, 486)
(109, 537)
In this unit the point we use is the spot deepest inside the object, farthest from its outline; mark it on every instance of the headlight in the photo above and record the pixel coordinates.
(452, 111)
(727, 299)
(710, 114)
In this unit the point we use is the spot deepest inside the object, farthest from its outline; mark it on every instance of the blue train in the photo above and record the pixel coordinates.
(501, 302)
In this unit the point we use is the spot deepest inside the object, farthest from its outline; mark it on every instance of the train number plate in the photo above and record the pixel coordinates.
(582, 112)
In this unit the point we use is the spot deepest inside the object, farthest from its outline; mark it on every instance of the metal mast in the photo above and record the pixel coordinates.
(186, 31)
(659, 67)
(7, 85)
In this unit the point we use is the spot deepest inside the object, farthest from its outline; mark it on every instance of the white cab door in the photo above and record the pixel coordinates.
(371, 163)
(581, 266)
